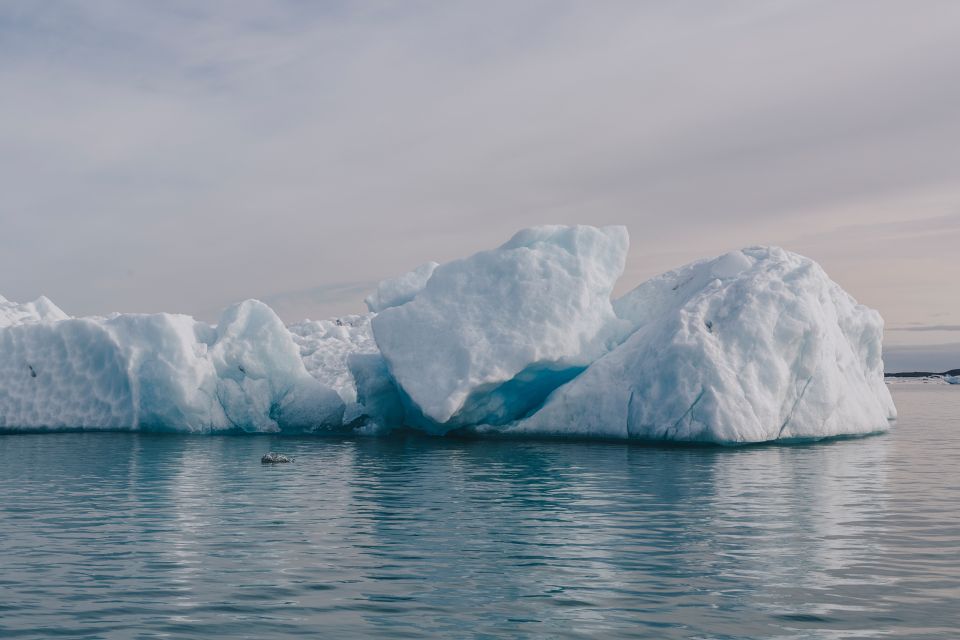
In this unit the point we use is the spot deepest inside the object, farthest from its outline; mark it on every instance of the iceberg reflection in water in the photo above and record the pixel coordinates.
(114, 534)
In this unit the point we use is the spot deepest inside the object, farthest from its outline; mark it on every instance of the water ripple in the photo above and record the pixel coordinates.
(135, 535)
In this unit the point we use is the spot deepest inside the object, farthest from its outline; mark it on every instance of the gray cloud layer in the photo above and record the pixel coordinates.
(180, 155)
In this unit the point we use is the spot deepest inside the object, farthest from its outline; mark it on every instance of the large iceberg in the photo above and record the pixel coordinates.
(752, 346)
(490, 335)
(755, 345)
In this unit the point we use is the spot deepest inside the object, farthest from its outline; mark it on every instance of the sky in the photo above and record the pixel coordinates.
(180, 156)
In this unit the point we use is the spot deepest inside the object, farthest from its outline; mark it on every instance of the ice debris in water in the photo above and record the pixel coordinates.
(752, 346)
(275, 458)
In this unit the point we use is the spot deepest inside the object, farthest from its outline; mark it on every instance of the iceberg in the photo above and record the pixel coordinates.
(490, 335)
(522, 340)
(161, 372)
(753, 346)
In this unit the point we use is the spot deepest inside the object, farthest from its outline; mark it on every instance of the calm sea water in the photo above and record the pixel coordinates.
(139, 536)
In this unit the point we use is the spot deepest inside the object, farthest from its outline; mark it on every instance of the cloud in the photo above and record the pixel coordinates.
(181, 156)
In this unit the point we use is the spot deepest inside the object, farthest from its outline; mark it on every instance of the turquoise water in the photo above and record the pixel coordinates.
(123, 535)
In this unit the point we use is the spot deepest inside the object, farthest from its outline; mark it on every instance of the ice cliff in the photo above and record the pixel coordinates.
(752, 346)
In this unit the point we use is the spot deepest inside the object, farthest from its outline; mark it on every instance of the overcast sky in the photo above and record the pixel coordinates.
(180, 156)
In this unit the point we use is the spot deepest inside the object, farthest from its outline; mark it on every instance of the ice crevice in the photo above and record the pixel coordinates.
(794, 407)
(676, 425)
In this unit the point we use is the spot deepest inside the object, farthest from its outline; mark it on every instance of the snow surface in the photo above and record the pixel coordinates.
(325, 348)
(490, 335)
(752, 346)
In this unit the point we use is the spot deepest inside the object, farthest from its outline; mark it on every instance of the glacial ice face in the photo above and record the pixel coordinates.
(40, 310)
(64, 375)
(752, 346)
(400, 290)
(161, 371)
(380, 404)
(490, 335)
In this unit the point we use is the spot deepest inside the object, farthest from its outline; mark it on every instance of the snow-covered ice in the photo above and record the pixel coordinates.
(325, 346)
(400, 290)
(342, 354)
(754, 345)
(40, 310)
(490, 335)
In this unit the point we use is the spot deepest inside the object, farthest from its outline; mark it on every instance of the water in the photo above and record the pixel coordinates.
(139, 536)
